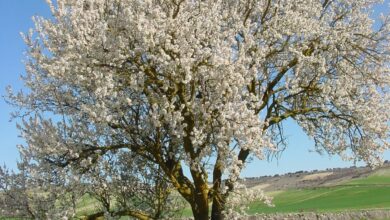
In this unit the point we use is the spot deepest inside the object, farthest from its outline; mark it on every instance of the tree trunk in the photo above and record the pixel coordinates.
(200, 205)
(219, 200)
(200, 211)
(201, 215)
(217, 209)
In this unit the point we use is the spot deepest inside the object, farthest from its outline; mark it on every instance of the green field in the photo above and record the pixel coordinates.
(327, 199)
(372, 192)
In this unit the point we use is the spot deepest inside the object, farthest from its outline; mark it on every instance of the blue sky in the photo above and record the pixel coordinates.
(15, 17)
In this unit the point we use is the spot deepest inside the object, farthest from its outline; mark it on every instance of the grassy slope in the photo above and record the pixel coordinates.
(372, 192)
(328, 199)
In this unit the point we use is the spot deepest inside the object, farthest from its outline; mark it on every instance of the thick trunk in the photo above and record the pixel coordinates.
(200, 215)
(217, 209)
(219, 200)
(200, 208)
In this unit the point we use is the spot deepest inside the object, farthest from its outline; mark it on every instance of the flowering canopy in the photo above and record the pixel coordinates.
(205, 84)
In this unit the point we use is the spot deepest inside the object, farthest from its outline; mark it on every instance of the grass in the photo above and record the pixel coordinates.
(331, 199)
(371, 180)
(372, 192)
(87, 205)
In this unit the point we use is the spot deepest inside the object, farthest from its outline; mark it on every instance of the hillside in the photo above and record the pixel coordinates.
(335, 190)
(315, 178)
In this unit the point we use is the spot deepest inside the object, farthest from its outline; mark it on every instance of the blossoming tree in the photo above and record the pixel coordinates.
(122, 185)
(203, 84)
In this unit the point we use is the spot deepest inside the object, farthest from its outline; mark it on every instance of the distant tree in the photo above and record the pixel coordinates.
(125, 185)
(203, 84)
(122, 185)
(32, 198)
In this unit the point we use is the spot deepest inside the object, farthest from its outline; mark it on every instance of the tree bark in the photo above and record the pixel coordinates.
(200, 214)
(219, 200)
(217, 209)
(200, 207)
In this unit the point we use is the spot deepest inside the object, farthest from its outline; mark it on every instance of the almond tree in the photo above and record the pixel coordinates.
(120, 185)
(204, 84)
(24, 197)
(126, 185)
